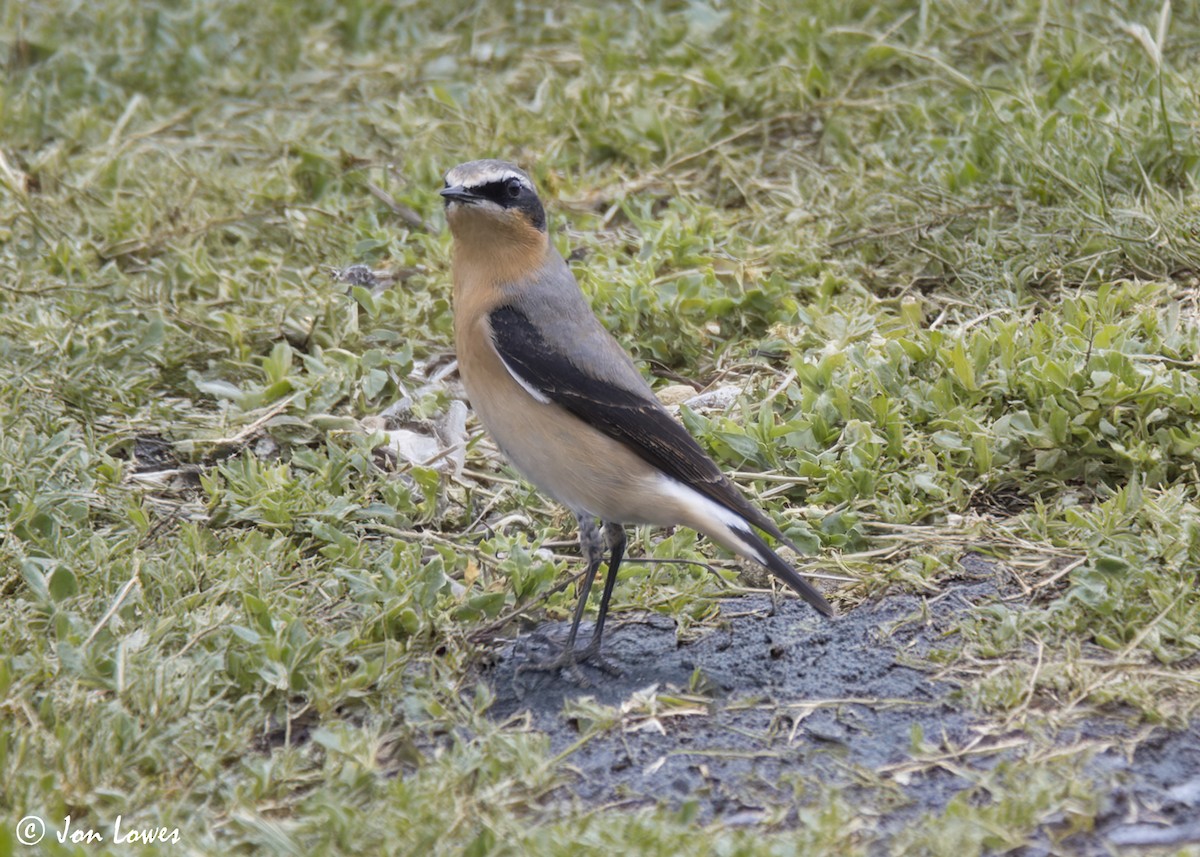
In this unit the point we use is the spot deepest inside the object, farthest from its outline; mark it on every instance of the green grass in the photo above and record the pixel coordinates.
(960, 245)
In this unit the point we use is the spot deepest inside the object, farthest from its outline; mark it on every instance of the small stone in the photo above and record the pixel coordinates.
(676, 394)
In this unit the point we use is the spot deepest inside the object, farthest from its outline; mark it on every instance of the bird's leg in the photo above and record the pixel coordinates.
(592, 548)
(614, 534)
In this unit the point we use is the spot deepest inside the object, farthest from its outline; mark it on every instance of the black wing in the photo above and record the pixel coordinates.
(624, 415)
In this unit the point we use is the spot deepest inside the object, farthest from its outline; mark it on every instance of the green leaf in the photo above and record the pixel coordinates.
(221, 390)
(259, 614)
(741, 444)
(961, 365)
(366, 299)
(374, 382)
(1110, 565)
(62, 583)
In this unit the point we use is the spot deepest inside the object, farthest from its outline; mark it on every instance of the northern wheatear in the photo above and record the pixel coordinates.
(565, 403)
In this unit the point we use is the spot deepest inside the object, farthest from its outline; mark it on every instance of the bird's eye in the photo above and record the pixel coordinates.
(512, 188)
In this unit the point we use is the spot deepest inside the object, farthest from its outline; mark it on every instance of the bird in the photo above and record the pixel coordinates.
(566, 405)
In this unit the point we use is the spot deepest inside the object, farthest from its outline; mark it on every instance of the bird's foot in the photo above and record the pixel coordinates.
(568, 662)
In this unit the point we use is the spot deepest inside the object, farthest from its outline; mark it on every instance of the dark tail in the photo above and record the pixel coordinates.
(753, 547)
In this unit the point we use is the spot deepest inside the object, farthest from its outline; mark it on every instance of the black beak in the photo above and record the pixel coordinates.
(458, 193)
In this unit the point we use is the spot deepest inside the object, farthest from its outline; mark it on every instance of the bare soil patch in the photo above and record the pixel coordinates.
(751, 721)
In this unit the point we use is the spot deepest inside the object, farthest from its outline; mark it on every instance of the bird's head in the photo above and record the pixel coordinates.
(493, 201)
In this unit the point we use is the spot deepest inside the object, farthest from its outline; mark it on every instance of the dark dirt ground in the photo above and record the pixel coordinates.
(796, 702)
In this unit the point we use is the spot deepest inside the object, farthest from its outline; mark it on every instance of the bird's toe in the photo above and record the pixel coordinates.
(568, 663)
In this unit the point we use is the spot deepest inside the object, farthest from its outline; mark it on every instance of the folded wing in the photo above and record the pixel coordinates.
(637, 420)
